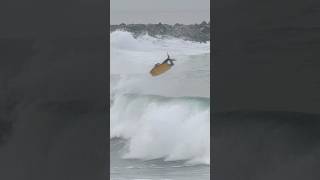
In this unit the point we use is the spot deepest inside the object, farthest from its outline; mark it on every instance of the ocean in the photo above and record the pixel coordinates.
(159, 126)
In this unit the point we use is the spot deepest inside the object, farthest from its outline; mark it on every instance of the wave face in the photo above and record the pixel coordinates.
(165, 117)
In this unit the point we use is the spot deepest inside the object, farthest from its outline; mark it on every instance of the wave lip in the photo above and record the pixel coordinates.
(161, 127)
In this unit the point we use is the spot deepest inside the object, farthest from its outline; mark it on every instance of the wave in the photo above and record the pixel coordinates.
(162, 127)
(167, 116)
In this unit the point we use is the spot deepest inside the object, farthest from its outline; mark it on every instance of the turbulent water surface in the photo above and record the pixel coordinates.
(160, 126)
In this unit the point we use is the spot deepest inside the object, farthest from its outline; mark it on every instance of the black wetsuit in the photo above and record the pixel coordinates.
(168, 60)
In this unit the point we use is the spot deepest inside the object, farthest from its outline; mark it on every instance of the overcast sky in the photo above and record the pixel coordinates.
(154, 11)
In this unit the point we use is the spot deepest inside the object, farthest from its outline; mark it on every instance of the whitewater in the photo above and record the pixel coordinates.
(159, 126)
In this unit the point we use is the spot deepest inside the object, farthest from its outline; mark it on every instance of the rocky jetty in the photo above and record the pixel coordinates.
(194, 32)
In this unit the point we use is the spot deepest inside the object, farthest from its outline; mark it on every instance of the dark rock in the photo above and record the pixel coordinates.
(194, 32)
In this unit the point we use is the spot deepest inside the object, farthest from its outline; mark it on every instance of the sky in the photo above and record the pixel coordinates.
(155, 11)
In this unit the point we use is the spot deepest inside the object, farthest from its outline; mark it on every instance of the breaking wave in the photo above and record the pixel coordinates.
(162, 127)
(165, 117)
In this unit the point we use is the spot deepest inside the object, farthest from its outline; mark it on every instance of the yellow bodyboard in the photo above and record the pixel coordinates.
(159, 69)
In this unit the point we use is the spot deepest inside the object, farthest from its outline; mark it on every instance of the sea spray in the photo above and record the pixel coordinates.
(161, 127)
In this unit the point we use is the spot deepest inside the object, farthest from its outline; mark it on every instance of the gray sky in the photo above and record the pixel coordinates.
(154, 11)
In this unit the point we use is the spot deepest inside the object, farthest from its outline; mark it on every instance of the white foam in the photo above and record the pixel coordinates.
(157, 127)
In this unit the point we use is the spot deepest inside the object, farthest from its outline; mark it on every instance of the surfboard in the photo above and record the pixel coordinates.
(159, 69)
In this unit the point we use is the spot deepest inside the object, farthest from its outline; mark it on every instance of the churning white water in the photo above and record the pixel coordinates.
(159, 127)
(164, 118)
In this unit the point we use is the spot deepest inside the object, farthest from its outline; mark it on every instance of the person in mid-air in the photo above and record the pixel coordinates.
(167, 61)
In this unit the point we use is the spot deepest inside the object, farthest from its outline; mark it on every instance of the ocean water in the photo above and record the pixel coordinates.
(160, 126)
